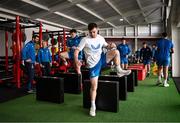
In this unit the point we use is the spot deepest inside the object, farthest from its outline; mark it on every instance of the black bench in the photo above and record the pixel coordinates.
(72, 82)
(130, 81)
(107, 95)
(122, 84)
(50, 89)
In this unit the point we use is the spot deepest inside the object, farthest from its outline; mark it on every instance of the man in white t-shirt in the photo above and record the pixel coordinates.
(92, 46)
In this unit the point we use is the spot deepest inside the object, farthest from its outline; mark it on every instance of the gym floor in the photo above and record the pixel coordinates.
(148, 103)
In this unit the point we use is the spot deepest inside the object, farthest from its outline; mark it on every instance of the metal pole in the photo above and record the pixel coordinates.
(52, 48)
(59, 40)
(64, 38)
(40, 34)
(6, 52)
(18, 74)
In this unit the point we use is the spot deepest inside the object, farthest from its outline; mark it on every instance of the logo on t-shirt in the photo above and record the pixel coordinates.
(95, 47)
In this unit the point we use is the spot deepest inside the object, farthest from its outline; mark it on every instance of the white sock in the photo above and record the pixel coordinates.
(159, 78)
(65, 63)
(165, 81)
(93, 105)
(118, 68)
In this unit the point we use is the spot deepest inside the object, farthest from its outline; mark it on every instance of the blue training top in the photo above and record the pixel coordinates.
(28, 52)
(123, 49)
(44, 55)
(164, 47)
(74, 42)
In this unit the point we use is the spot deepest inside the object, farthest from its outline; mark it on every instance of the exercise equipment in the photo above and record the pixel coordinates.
(107, 98)
(130, 81)
(50, 89)
(122, 84)
(72, 82)
(18, 37)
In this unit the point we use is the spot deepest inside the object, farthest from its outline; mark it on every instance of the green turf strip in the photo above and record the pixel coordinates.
(148, 103)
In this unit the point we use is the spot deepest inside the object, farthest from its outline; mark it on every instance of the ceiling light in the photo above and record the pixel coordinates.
(121, 19)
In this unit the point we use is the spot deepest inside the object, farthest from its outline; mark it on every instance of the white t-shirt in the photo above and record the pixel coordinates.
(92, 48)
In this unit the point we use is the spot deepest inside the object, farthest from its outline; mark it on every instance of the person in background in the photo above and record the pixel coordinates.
(45, 59)
(28, 59)
(145, 56)
(72, 43)
(164, 51)
(96, 59)
(137, 55)
(124, 52)
(154, 50)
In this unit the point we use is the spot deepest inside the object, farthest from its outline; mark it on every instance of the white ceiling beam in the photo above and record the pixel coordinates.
(155, 5)
(71, 18)
(140, 6)
(52, 10)
(57, 7)
(93, 13)
(13, 12)
(36, 4)
(89, 11)
(52, 23)
(112, 6)
(7, 16)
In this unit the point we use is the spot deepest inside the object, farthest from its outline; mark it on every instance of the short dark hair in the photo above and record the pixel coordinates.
(144, 43)
(73, 30)
(164, 34)
(92, 26)
(154, 45)
(35, 36)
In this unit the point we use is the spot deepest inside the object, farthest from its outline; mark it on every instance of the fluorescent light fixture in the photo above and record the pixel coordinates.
(52, 23)
(71, 18)
(97, 0)
(121, 19)
(36, 4)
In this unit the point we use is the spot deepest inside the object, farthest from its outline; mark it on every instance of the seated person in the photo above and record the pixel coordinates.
(72, 43)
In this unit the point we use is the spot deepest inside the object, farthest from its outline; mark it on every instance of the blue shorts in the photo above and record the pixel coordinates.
(163, 62)
(124, 60)
(146, 61)
(95, 71)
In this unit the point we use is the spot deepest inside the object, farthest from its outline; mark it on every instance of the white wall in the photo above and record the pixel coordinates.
(175, 56)
(2, 43)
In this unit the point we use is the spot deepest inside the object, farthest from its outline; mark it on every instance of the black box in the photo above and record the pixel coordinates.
(72, 82)
(122, 84)
(107, 98)
(50, 89)
(130, 81)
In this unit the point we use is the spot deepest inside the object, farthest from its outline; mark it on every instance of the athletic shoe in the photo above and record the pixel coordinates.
(158, 83)
(147, 74)
(92, 112)
(30, 91)
(166, 85)
(123, 73)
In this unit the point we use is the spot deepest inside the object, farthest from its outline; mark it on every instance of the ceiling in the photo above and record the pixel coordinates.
(78, 13)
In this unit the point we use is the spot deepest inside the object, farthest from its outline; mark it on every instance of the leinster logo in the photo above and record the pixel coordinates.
(95, 48)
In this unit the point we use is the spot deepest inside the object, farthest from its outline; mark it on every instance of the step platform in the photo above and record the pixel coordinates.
(72, 82)
(107, 95)
(130, 81)
(50, 89)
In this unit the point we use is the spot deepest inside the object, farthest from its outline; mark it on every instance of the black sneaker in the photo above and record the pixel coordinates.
(148, 74)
